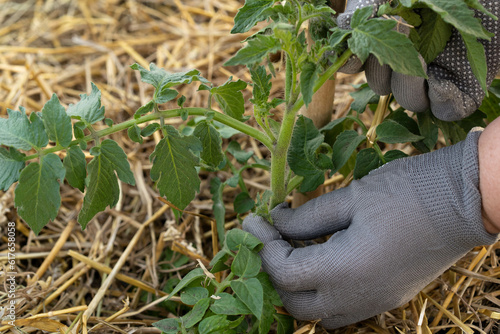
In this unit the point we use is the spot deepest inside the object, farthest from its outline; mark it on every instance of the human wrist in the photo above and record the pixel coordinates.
(489, 182)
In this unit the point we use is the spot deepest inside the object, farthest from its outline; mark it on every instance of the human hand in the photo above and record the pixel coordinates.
(452, 92)
(394, 231)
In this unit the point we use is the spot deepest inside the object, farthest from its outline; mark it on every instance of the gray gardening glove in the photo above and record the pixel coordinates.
(452, 92)
(394, 231)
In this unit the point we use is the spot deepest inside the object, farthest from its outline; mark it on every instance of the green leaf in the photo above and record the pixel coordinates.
(344, 146)
(251, 294)
(361, 15)
(304, 156)
(144, 109)
(308, 78)
(218, 208)
(243, 203)
(394, 154)
(37, 197)
(237, 237)
(174, 167)
(196, 314)
(285, 323)
(169, 325)
(270, 293)
(267, 318)
(452, 132)
(102, 183)
(377, 37)
(337, 36)
(427, 129)
(218, 262)
(191, 296)
(241, 156)
(229, 305)
(458, 14)
(256, 49)
(211, 142)
(246, 263)
(75, 165)
(88, 108)
(150, 129)
(477, 59)
(57, 122)
(261, 84)
(17, 131)
(362, 97)
(213, 324)
(134, 133)
(10, 166)
(230, 98)
(161, 79)
(164, 95)
(186, 280)
(252, 12)
(491, 106)
(433, 34)
(366, 160)
(391, 132)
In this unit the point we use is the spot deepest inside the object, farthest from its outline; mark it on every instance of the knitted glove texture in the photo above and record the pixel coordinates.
(394, 231)
(452, 92)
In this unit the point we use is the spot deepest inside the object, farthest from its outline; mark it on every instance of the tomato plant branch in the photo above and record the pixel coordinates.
(222, 118)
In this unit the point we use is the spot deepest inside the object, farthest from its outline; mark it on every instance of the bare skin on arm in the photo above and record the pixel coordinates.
(489, 175)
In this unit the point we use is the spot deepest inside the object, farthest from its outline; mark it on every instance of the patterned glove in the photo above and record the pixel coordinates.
(394, 231)
(452, 92)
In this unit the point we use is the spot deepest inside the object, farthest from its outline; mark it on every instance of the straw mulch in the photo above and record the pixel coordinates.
(61, 46)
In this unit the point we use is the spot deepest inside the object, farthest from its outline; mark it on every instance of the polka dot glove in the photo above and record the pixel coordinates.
(394, 231)
(452, 92)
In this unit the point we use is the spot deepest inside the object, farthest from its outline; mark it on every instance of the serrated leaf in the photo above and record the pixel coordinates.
(168, 325)
(191, 296)
(161, 79)
(433, 33)
(75, 165)
(57, 122)
(377, 37)
(246, 263)
(229, 305)
(102, 183)
(243, 203)
(230, 98)
(37, 197)
(362, 97)
(88, 108)
(477, 59)
(252, 12)
(303, 156)
(214, 324)
(211, 142)
(241, 156)
(308, 78)
(134, 133)
(237, 237)
(144, 109)
(366, 160)
(196, 314)
(361, 15)
(174, 167)
(256, 49)
(10, 167)
(391, 132)
(218, 208)
(22, 133)
(458, 14)
(344, 146)
(261, 84)
(251, 294)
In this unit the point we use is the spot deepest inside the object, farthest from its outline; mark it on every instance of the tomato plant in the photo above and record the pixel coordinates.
(300, 154)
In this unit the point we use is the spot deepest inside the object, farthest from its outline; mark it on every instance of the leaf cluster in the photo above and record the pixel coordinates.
(222, 307)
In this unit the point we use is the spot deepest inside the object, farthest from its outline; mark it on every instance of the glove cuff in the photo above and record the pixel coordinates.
(447, 183)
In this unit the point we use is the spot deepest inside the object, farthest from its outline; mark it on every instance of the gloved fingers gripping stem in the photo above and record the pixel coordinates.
(318, 217)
